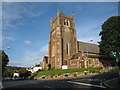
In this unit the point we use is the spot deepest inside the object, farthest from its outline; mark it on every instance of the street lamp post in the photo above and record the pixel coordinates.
(87, 55)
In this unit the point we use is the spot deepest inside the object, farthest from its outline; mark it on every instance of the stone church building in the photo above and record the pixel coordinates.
(65, 50)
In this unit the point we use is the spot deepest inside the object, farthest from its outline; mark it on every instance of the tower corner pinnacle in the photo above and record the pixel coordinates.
(58, 12)
(73, 15)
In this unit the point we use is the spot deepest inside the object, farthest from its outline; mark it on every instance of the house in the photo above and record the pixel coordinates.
(15, 74)
(34, 68)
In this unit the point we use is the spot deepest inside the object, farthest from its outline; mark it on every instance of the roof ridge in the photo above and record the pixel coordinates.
(87, 43)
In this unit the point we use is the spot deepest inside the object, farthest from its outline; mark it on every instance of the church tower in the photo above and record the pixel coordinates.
(62, 43)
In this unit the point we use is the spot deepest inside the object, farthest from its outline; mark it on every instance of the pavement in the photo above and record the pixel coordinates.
(1, 85)
(112, 83)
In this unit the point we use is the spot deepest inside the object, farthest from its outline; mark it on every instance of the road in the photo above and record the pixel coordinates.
(89, 83)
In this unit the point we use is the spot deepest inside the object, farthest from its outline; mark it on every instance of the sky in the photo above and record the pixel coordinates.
(26, 26)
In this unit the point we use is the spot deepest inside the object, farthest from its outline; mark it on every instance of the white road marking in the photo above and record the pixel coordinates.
(49, 87)
(86, 84)
(46, 87)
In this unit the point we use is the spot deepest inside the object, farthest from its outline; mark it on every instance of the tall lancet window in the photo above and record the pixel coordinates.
(67, 49)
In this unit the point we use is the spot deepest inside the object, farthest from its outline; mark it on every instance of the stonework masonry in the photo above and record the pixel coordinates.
(63, 43)
(64, 49)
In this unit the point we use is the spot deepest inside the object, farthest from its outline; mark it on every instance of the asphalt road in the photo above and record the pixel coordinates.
(89, 83)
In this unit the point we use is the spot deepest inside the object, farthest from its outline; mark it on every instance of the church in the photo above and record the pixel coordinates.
(65, 52)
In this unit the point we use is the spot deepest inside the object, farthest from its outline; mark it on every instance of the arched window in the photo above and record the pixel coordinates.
(64, 23)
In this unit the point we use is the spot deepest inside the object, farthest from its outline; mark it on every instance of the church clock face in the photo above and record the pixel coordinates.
(67, 29)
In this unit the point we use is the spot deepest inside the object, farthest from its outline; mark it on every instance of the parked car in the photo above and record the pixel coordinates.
(21, 78)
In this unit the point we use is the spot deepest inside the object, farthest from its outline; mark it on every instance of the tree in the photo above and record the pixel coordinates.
(110, 37)
(23, 72)
(5, 60)
(49, 66)
(7, 73)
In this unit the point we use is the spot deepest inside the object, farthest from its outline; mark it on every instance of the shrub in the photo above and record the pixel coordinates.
(66, 75)
(92, 71)
(53, 68)
(51, 76)
(85, 72)
(32, 76)
(55, 76)
(75, 75)
(49, 66)
(43, 77)
(59, 74)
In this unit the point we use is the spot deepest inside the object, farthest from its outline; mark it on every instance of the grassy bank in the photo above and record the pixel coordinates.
(57, 72)
(48, 74)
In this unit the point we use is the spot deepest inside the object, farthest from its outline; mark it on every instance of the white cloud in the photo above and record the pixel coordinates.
(17, 11)
(87, 39)
(36, 58)
(89, 31)
(45, 47)
(88, 26)
(5, 39)
(30, 58)
(27, 42)
(41, 53)
(21, 63)
(8, 38)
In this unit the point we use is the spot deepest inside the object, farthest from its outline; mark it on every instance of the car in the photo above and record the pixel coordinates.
(8, 78)
(21, 78)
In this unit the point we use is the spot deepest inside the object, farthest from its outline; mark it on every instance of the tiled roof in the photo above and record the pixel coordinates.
(75, 56)
(87, 47)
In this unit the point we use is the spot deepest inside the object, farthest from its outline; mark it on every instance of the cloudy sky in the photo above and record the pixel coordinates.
(26, 26)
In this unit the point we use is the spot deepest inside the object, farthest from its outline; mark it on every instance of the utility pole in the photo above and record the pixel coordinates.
(87, 55)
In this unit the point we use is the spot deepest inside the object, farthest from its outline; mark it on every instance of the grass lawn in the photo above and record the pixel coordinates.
(54, 72)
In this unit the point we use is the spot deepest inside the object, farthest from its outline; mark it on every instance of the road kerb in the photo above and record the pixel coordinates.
(106, 85)
(86, 84)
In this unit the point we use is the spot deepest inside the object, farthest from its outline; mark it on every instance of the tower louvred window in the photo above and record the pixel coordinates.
(66, 22)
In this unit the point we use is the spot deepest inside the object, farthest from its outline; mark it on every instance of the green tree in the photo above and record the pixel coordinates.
(5, 60)
(49, 66)
(110, 37)
(23, 72)
(7, 73)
